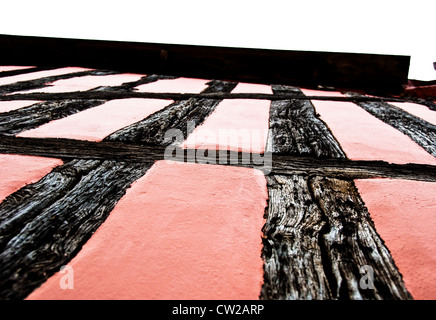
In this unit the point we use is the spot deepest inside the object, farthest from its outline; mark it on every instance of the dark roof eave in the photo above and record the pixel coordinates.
(354, 71)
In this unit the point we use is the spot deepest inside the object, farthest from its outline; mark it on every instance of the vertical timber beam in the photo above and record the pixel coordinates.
(319, 236)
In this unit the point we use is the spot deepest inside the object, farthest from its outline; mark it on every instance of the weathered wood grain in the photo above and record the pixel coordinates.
(352, 169)
(296, 129)
(317, 237)
(351, 241)
(69, 149)
(293, 266)
(318, 233)
(27, 203)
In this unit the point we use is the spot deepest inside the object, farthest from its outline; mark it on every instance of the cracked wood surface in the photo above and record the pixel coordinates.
(317, 237)
(296, 129)
(318, 233)
(69, 149)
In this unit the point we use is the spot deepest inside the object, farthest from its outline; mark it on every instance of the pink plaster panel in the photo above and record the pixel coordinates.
(179, 85)
(6, 106)
(182, 231)
(40, 74)
(235, 124)
(363, 136)
(418, 110)
(96, 123)
(13, 68)
(16, 171)
(243, 87)
(87, 83)
(404, 213)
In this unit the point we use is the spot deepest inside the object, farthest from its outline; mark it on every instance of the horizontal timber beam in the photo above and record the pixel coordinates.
(280, 164)
(109, 95)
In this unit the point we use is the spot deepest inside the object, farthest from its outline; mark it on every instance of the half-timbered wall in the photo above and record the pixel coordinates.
(164, 187)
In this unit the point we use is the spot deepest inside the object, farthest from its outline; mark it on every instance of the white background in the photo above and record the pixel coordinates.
(362, 26)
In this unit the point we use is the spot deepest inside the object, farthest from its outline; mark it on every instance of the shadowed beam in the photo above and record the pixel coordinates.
(385, 73)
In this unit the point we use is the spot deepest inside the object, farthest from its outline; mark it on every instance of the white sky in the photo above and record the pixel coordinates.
(365, 26)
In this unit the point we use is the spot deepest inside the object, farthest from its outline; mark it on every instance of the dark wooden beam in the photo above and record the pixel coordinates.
(109, 95)
(317, 237)
(318, 234)
(21, 71)
(383, 73)
(70, 149)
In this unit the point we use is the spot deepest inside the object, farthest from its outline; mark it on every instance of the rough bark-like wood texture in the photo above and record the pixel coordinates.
(318, 235)
(25, 204)
(69, 149)
(419, 130)
(350, 169)
(296, 129)
(176, 116)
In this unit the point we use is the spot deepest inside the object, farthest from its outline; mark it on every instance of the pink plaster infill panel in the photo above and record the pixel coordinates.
(179, 85)
(418, 110)
(243, 87)
(40, 74)
(16, 171)
(404, 214)
(6, 106)
(87, 83)
(182, 231)
(98, 122)
(13, 68)
(363, 136)
(235, 124)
